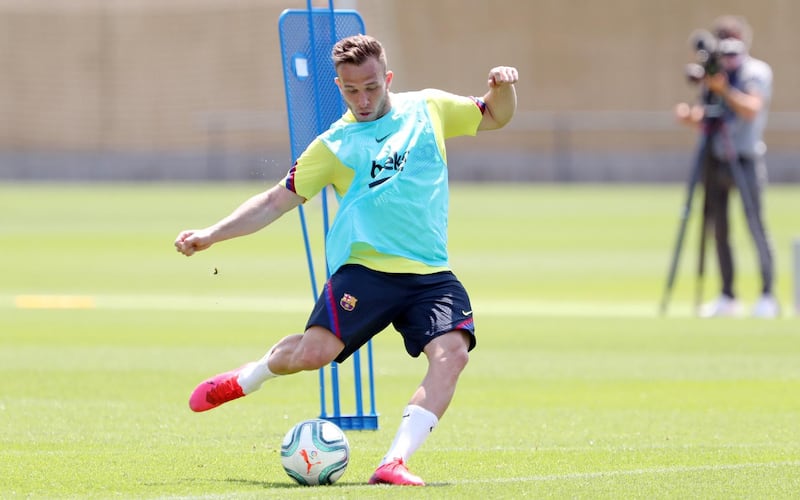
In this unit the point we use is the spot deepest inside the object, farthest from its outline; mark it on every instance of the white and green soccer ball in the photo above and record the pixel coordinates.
(315, 452)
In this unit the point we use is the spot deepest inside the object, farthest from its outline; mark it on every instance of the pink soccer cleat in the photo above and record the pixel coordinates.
(395, 472)
(216, 390)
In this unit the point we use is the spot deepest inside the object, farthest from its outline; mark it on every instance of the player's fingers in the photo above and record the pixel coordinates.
(503, 75)
(182, 236)
(510, 75)
(185, 245)
(187, 242)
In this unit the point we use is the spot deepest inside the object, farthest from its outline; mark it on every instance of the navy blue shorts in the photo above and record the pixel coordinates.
(357, 303)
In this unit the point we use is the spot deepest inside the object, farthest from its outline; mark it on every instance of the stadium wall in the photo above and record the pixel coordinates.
(192, 89)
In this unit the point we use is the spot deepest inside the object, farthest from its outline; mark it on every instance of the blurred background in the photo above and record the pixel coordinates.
(193, 89)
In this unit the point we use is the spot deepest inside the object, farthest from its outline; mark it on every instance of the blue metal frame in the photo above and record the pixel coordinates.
(320, 98)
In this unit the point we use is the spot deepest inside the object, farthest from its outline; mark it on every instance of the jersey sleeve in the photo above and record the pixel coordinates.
(316, 168)
(458, 115)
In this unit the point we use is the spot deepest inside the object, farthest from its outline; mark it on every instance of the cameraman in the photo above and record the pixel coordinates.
(741, 87)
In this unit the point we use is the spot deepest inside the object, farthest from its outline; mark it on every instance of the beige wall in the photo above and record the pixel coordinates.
(149, 75)
(133, 74)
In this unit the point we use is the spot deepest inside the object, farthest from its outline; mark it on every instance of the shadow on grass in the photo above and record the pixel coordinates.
(260, 484)
(275, 485)
(338, 484)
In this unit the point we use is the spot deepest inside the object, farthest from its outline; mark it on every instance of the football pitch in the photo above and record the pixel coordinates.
(578, 388)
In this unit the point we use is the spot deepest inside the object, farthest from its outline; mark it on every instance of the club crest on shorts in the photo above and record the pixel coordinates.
(348, 302)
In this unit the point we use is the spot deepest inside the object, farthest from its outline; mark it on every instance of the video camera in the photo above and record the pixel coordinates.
(708, 50)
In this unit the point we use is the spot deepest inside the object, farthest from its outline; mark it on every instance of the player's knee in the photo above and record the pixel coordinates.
(314, 356)
(449, 352)
(459, 358)
(459, 349)
(317, 348)
(452, 360)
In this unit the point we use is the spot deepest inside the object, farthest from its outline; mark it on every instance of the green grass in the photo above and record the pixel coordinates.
(577, 389)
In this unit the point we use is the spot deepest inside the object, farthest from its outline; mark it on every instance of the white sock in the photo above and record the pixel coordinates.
(254, 374)
(414, 429)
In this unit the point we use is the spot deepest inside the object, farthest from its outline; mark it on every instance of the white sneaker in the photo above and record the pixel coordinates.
(766, 307)
(722, 307)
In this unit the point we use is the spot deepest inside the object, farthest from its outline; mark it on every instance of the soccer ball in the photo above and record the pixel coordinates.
(315, 452)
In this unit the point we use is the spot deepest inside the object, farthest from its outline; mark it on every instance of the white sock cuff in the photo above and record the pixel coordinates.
(264, 362)
(420, 412)
(254, 374)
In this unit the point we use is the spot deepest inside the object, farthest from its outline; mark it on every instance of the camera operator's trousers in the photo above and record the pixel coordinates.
(719, 180)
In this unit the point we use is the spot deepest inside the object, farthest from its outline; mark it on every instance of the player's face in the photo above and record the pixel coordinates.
(365, 89)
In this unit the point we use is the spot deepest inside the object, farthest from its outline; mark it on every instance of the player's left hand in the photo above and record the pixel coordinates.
(503, 75)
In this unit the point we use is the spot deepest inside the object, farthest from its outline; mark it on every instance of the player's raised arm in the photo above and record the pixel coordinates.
(501, 99)
(251, 216)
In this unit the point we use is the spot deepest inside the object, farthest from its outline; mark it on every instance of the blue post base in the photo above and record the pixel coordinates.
(353, 422)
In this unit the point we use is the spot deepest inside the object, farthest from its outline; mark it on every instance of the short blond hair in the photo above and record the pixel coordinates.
(356, 50)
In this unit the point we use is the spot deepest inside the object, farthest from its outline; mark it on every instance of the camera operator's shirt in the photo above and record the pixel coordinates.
(748, 135)
(390, 178)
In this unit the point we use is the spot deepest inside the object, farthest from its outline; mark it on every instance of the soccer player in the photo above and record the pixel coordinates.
(386, 248)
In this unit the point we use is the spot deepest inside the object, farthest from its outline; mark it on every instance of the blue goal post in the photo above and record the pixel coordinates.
(313, 102)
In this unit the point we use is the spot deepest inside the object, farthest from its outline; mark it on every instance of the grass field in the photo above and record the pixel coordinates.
(577, 389)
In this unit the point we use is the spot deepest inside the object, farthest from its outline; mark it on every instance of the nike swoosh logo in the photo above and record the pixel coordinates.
(378, 182)
(466, 313)
(379, 140)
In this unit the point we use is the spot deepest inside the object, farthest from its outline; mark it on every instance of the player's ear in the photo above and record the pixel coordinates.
(338, 83)
(389, 76)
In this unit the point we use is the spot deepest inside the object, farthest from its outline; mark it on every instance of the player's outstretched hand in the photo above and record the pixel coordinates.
(192, 240)
(503, 75)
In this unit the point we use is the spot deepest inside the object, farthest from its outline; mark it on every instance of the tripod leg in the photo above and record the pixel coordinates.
(694, 177)
(705, 227)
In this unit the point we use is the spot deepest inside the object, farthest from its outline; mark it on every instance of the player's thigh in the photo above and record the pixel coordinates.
(355, 304)
(453, 345)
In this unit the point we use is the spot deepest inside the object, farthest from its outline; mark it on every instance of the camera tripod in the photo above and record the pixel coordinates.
(713, 126)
